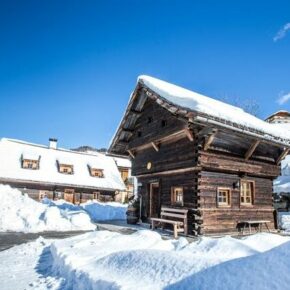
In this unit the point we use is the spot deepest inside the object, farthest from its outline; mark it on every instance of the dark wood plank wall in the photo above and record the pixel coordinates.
(150, 131)
(227, 163)
(225, 219)
(175, 155)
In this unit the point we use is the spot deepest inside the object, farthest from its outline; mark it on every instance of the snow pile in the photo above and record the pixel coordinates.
(98, 211)
(211, 107)
(20, 213)
(107, 260)
(282, 183)
(28, 266)
(284, 221)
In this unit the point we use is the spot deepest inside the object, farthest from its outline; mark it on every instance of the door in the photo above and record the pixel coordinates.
(154, 200)
(69, 195)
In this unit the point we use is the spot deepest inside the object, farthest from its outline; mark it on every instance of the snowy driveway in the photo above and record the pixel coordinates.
(10, 239)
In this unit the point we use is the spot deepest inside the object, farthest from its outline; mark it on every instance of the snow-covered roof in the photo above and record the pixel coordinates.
(122, 162)
(212, 108)
(11, 152)
(195, 108)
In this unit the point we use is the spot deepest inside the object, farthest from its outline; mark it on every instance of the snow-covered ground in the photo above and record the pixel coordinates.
(143, 260)
(20, 213)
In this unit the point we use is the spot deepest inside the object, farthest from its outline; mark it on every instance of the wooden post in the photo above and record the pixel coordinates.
(131, 154)
(251, 150)
(189, 134)
(155, 146)
(209, 140)
(175, 231)
(282, 155)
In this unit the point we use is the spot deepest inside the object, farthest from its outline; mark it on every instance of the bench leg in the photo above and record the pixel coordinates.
(175, 231)
(152, 225)
(267, 227)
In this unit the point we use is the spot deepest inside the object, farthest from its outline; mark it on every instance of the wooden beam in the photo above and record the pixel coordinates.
(169, 172)
(209, 140)
(131, 154)
(169, 138)
(135, 112)
(282, 155)
(127, 130)
(155, 146)
(251, 149)
(189, 134)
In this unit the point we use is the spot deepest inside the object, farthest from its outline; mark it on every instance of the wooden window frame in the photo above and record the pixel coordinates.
(174, 196)
(66, 166)
(94, 170)
(228, 203)
(123, 172)
(248, 204)
(25, 162)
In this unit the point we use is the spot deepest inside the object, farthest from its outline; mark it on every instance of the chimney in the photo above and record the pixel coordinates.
(52, 143)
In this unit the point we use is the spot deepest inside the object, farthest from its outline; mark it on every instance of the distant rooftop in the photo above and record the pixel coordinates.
(13, 151)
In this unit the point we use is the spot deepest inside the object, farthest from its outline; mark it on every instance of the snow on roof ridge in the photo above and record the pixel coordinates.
(145, 78)
(213, 108)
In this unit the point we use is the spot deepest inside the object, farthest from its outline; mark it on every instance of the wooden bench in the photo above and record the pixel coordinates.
(179, 225)
(258, 223)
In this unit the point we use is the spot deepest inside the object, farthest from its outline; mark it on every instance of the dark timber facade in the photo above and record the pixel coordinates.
(220, 172)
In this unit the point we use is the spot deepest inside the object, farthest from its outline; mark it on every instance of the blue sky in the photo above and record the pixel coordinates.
(67, 67)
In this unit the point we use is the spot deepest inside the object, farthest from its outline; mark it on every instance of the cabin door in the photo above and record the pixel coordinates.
(154, 200)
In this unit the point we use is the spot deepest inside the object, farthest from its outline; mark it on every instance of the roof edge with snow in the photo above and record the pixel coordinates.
(197, 108)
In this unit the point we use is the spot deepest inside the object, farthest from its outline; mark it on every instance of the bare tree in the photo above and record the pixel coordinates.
(250, 105)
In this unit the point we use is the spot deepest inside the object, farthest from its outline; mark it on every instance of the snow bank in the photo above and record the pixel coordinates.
(107, 260)
(20, 213)
(282, 183)
(27, 266)
(284, 221)
(98, 211)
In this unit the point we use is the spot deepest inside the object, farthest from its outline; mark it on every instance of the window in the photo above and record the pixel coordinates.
(124, 174)
(97, 172)
(43, 194)
(177, 195)
(139, 133)
(223, 197)
(149, 120)
(66, 169)
(163, 123)
(30, 164)
(247, 192)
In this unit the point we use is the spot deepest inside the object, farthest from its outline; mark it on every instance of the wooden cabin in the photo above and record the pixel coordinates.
(193, 152)
(48, 171)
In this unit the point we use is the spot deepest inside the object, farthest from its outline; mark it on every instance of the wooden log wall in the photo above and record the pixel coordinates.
(150, 124)
(227, 163)
(220, 219)
(174, 155)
